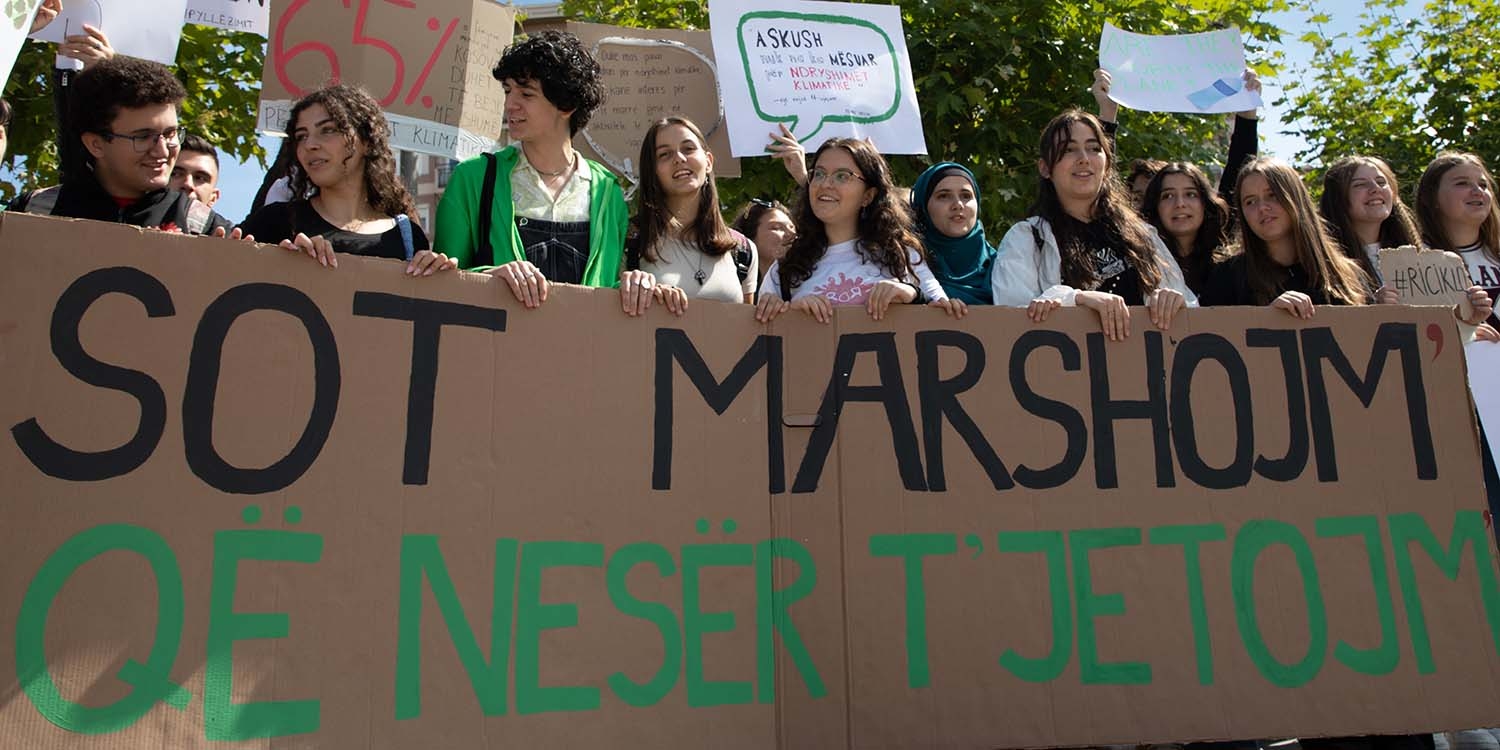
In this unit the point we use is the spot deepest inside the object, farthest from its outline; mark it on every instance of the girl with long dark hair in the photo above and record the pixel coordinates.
(854, 242)
(1085, 244)
(355, 203)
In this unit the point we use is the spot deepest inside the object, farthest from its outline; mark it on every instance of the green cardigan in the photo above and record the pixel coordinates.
(457, 226)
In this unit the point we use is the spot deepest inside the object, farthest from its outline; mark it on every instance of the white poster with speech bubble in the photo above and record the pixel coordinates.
(1198, 73)
(130, 31)
(253, 16)
(822, 69)
(13, 28)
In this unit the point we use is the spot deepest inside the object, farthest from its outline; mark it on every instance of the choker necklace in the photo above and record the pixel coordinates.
(558, 173)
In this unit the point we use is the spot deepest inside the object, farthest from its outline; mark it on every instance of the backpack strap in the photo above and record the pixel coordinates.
(403, 223)
(486, 253)
(742, 256)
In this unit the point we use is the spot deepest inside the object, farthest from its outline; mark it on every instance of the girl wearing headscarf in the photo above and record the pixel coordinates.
(945, 202)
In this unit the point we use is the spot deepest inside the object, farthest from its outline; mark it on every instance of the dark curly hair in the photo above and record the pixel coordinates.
(99, 93)
(567, 73)
(885, 225)
(1112, 208)
(358, 115)
(1212, 235)
(709, 232)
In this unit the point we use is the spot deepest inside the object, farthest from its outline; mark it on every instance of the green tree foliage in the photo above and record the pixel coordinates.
(220, 69)
(991, 73)
(1413, 80)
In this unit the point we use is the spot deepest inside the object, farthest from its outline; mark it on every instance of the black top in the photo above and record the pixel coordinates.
(282, 221)
(1229, 284)
(1113, 272)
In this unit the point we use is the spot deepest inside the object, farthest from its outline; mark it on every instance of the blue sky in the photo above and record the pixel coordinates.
(238, 182)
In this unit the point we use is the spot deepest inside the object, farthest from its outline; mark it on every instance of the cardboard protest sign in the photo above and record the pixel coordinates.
(14, 27)
(254, 502)
(1427, 277)
(253, 16)
(428, 65)
(131, 32)
(1198, 73)
(649, 74)
(824, 69)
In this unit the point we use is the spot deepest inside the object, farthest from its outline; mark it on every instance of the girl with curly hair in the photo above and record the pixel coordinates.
(1190, 216)
(854, 245)
(1084, 244)
(355, 204)
(679, 247)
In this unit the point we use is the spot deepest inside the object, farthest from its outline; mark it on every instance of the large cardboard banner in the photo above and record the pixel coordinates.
(649, 74)
(1198, 73)
(823, 69)
(428, 65)
(250, 502)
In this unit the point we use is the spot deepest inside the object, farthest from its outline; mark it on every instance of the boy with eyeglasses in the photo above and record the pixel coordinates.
(124, 114)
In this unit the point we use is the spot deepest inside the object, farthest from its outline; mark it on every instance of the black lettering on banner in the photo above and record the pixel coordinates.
(1191, 352)
(939, 400)
(891, 392)
(1320, 345)
(1108, 410)
(1290, 466)
(60, 461)
(203, 384)
(1052, 410)
(673, 344)
(428, 318)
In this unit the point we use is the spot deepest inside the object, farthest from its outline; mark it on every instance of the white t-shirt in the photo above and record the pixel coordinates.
(843, 277)
(679, 264)
(1483, 268)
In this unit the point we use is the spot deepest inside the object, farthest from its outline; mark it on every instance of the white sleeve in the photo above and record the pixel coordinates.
(1171, 276)
(1017, 280)
(770, 286)
(927, 283)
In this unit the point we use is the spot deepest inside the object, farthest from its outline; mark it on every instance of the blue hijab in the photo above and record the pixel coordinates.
(961, 264)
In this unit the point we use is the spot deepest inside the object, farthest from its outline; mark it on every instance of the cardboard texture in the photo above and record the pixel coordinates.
(225, 523)
(1427, 277)
(649, 74)
(428, 65)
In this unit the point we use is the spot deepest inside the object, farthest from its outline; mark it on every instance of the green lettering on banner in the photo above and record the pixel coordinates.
(772, 616)
(651, 692)
(421, 556)
(702, 693)
(1051, 666)
(532, 617)
(1468, 530)
(224, 720)
(1191, 536)
(151, 681)
(912, 548)
(1383, 658)
(1253, 538)
(1090, 605)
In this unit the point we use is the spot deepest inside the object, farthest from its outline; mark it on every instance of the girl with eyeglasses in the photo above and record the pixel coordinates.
(1084, 244)
(854, 243)
(356, 204)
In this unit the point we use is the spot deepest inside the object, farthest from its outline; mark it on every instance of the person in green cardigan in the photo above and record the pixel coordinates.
(554, 216)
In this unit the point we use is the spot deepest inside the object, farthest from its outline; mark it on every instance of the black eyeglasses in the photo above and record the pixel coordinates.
(143, 142)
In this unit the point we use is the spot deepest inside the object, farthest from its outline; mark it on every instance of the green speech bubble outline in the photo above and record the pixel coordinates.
(817, 18)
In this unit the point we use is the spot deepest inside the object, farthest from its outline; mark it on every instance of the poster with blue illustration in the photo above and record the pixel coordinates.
(1198, 73)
